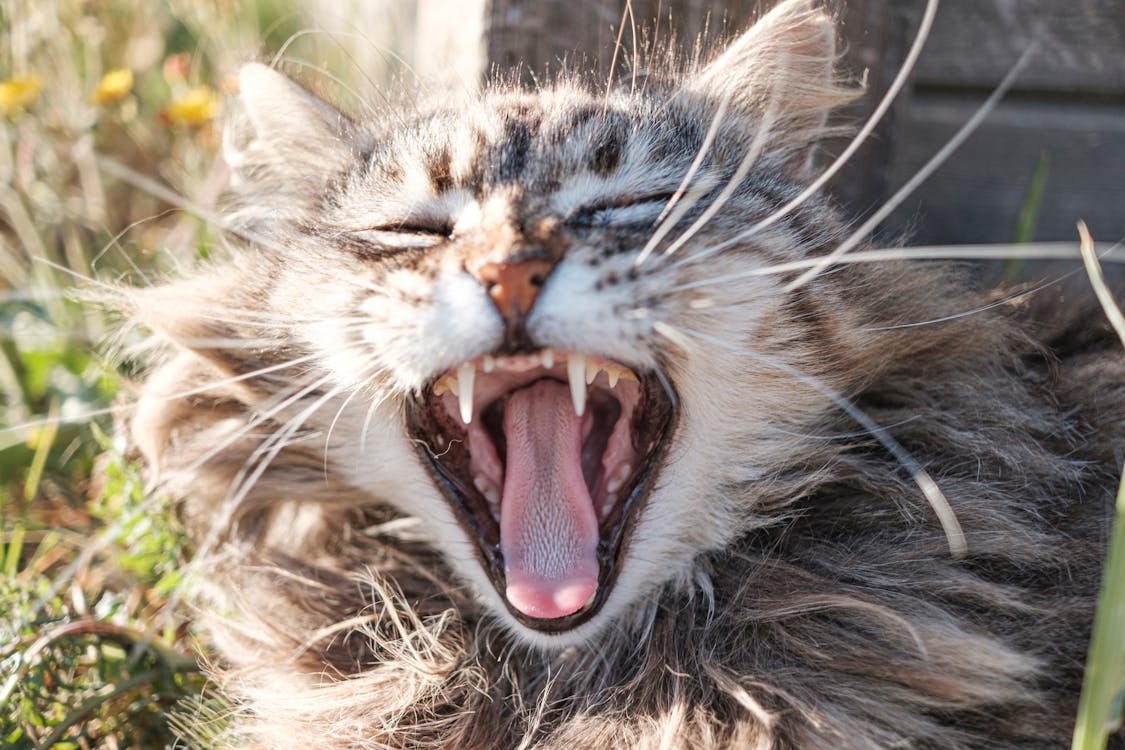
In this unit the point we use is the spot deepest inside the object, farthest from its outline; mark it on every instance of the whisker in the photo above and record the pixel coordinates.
(262, 413)
(672, 211)
(625, 13)
(983, 308)
(922, 174)
(374, 405)
(87, 416)
(955, 536)
(245, 480)
(757, 145)
(884, 105)
(264, 454)
(1037, 251)
(371, 370)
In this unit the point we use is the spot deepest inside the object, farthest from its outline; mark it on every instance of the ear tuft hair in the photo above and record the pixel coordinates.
(283, 144)
(786, 62)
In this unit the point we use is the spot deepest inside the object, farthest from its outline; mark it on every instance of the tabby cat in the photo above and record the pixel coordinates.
(507, 424)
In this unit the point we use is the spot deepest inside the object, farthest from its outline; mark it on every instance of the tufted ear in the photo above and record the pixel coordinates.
(785, 62)
(283, 144)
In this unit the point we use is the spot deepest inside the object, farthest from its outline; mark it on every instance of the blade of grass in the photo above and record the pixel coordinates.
(44, 440)
(1099, 710)
(1028, 220)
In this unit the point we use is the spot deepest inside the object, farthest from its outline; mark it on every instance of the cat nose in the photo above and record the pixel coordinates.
(513, 287)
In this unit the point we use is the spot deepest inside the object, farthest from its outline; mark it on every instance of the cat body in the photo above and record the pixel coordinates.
(501, 430)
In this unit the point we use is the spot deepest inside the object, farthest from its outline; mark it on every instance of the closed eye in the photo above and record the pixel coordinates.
(407, 233)
(437, 227)
(621, 210)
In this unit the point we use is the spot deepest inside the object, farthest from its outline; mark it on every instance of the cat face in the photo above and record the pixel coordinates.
(532, 322)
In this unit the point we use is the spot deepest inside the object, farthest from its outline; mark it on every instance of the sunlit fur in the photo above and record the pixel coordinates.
(787, 584)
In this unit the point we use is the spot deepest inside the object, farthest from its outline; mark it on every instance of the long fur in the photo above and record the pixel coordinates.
(787, 586)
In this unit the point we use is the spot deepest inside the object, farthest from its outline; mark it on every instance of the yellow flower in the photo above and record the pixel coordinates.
(18, 93)
(115, 84)
(197, 107)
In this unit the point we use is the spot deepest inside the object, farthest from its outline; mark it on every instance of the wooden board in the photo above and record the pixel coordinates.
(1081, 45)
(977, 196)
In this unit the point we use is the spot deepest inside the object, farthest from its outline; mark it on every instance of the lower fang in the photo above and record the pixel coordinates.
(618, 479)
(487, 489)
(610, 501)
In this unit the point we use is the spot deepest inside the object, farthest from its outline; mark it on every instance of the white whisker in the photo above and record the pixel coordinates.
(370, 371)
(246, 478)
(1037, 251)
(673, 210)
(757, 145)
(954, 535)
(1007, 300)
(87, 416)
(261, 414)
(700, 155)
(881, 110)
(922, 174)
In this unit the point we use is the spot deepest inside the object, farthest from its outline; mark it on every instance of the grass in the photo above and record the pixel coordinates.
(91, 654)
(1103, 691)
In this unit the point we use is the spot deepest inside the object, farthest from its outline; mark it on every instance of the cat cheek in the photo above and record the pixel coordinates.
(573, 313)
(455, 323)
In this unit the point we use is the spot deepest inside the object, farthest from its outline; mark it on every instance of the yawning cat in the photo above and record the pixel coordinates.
(507, 424)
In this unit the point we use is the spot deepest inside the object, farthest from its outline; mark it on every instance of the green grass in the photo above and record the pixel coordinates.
(1103, 691)
(91, 653)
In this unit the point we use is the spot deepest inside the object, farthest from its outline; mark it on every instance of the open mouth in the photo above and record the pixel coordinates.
(546, 459)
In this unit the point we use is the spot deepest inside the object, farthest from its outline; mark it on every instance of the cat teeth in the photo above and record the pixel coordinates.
(582, 371)
(488, 489)
(447, 384)
(576, 374)
(617, 481)
(613, 371)
(608, 503)
(465, 375)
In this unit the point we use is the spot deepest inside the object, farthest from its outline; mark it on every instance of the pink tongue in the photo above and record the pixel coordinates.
(548, 528)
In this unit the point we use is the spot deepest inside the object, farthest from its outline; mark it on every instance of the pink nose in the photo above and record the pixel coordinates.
(514, 287)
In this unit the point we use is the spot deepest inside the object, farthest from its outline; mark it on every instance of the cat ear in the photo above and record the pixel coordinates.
(785, 65)
(282, 140)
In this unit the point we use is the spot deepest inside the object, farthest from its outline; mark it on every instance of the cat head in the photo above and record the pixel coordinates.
(535, 321)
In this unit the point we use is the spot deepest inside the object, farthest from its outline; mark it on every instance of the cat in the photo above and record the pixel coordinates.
(506, 424)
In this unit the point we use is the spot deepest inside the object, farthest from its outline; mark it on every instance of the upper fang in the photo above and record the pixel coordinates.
(576, 374)
(465, 374)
